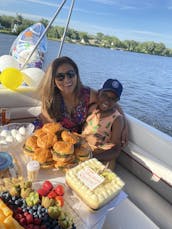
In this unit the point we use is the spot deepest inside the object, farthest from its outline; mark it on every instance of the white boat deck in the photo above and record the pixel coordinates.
(128, 216)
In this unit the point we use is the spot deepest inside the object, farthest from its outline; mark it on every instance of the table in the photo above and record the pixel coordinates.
(84, 218)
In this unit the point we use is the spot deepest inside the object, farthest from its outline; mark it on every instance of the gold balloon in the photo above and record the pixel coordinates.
(11, 78)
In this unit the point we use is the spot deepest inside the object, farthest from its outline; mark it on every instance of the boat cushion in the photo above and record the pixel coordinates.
(159, 169)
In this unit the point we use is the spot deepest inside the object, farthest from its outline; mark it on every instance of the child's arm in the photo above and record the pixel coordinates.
(124, 135)
(113, 148)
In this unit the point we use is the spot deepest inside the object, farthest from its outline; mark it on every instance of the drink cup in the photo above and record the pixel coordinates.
(33, 168)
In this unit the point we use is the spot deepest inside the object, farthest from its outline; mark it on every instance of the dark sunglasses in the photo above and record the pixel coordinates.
(61, 76)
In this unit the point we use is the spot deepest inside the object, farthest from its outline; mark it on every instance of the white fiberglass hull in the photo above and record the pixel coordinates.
(148, 156)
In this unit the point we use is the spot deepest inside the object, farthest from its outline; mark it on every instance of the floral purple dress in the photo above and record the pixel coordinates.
(75, 120)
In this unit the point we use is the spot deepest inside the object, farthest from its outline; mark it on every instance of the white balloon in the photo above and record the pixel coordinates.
(33, 76)
(7, 61)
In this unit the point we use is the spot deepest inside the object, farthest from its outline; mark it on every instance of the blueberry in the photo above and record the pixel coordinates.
(54, 223)
(39, 216)
(43, 210)
(35, 207)
(14, 198)
(73, 226)
(31, 211)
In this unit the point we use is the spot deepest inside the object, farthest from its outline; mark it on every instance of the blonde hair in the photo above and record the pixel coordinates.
(51, 96)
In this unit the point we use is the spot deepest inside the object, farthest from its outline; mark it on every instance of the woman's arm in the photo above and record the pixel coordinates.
(93, 96)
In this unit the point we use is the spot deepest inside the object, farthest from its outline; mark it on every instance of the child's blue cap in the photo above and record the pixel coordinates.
(114, 86)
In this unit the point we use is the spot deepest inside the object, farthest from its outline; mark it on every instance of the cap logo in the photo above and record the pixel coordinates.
(115, 84)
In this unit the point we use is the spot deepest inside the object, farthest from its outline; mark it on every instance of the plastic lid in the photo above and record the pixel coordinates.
(33, 165)
(5, 160)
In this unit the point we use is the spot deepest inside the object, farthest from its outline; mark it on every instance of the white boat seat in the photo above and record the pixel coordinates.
(146, 199)
(159, 169)
(148, 168)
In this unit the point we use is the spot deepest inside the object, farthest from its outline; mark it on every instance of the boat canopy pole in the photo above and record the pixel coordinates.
(65, 29)
(43, 34)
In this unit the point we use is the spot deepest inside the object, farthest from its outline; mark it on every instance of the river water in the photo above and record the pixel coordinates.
(147, 79)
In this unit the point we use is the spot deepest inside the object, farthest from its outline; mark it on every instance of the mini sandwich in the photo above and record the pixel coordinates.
(63, 154)
(67, 136)
(44, 157)
(46, 140)
(39, 132)
(52, 127)
(30, 146)
(82, 153)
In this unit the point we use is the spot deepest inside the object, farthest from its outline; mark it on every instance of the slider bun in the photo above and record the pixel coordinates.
(46, 140)
(63, 158)
(31, 142)
(63, 148)
(82, 153)
(62, 165)
(42, 155)
(39, 132)
(52, 127)
(67, 136)
(47, 164)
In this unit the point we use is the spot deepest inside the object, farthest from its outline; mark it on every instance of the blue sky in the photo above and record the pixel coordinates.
(148, 20)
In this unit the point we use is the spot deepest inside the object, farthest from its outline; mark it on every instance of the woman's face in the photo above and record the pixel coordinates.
(66, 79)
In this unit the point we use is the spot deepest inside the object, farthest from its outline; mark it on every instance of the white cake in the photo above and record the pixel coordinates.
(94, 186)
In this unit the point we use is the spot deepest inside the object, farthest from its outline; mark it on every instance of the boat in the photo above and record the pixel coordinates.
(145, 165)
(24, 44)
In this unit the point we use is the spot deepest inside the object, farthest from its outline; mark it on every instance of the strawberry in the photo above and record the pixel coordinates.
(42, 192)
(60, 200)
(26, 213)
(19, 210)
(37, 221)
(47, 185)
(22, 221)
(29, 218)
(43, 227)
(59, 189)
(52, 194)
(30, 226)
(36, 227)
(18, 216)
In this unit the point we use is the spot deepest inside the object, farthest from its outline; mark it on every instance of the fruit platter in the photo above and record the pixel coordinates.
(22, 206)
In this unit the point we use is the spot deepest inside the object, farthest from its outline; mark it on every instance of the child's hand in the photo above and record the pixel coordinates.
(107, 146)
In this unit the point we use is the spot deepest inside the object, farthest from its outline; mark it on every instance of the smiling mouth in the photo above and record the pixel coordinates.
(67, 85)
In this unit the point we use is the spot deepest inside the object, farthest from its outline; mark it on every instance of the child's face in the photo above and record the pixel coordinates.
(107, 100)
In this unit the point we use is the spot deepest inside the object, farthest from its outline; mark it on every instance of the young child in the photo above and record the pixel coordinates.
(104, 124)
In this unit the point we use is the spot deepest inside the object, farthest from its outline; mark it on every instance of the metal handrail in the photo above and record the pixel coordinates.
(65, 29)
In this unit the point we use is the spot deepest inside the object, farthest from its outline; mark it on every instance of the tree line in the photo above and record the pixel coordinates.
(100, 40)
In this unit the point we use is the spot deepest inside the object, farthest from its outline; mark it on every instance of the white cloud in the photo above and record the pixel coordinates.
(47, 3)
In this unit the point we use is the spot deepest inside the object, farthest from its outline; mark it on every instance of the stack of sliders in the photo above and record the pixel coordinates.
(94, 183)
(68, 152)
(53, 146)
(39, 145)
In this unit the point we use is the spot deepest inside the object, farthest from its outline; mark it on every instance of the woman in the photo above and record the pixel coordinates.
(64, 98)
